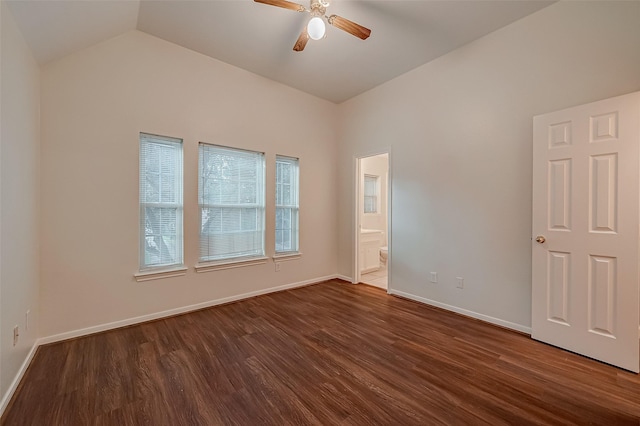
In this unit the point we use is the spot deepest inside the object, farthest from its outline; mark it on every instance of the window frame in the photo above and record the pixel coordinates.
(151, 270)
(294, 206)
(212, 262)
(375, 197)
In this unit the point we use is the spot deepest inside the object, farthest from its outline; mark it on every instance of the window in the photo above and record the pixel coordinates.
(286, 204)
(160, 202)
(370, 194)
(231, 199)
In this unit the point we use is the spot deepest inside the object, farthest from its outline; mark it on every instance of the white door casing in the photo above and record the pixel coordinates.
(586, 206)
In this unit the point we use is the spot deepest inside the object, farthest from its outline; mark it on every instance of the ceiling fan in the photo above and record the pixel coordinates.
(315, 29)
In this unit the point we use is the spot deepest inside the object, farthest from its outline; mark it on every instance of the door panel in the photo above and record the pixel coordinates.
(603, 181)
(558, 287)
(586, 204)
(560, 194)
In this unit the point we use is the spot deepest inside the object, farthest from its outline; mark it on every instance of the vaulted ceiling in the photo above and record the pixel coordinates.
(259, 38)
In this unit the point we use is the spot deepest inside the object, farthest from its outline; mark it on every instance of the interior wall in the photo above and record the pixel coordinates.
(377, 165)
(94, 104)
(460, 129)
(19, 198)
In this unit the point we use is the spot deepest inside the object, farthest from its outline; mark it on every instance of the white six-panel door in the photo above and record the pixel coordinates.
(586, 209)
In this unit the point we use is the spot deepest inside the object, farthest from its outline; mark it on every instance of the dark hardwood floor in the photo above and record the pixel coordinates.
(329, 354)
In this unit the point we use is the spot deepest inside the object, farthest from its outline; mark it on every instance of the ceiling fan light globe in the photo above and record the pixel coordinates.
(316, 28)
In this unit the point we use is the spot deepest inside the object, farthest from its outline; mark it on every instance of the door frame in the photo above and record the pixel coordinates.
(357, 205)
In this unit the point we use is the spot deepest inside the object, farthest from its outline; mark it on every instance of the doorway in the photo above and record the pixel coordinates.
(373, 220)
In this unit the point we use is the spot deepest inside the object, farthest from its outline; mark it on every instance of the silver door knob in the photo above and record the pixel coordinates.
(540, 239)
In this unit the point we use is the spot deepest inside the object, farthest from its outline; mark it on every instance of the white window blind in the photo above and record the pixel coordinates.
(160, 202)
(287, 195)
(231, 199)
(370, 194)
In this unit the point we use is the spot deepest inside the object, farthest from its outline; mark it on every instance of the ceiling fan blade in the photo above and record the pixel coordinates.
(349, 26)
(284, 4)
(302, 41)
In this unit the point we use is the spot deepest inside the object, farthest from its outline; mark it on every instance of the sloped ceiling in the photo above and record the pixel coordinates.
(259, 38)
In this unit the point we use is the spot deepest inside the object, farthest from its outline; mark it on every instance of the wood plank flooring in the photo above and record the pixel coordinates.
(327, 354)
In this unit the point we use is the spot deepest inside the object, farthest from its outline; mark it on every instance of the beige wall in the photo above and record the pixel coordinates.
(19, 199)
(94, 104)
(460, 132)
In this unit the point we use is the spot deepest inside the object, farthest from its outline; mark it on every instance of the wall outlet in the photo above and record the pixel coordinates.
(16, 334)
(434, 277)
(460, 283)
(26, 320)
(277, 266)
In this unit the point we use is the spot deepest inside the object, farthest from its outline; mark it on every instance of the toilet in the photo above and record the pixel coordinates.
(383, 255)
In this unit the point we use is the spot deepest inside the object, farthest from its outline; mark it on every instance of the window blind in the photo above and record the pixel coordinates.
(161, 208)
(231, 201)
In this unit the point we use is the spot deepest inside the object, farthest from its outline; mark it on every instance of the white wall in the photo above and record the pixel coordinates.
(377, 165)
(19, 198)
(94, 104)
(460, 131)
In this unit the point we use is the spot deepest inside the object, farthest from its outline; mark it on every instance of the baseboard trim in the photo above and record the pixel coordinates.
(16, 380)
(176, 311)
(502, 323)
(344, 278)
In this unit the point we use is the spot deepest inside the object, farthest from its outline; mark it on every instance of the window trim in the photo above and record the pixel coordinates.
(285, 256)
(149, 275)
(236, 262)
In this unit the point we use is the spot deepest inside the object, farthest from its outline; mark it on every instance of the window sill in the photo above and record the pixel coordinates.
(159, 274)
(228, 264)
(282, 257)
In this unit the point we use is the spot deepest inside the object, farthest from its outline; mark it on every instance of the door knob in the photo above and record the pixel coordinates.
(540, 239)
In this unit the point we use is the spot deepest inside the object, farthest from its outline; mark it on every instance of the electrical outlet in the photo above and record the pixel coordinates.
(16, 334)
(277, 266)
(434, 277)
(26, 320)
(460, 282)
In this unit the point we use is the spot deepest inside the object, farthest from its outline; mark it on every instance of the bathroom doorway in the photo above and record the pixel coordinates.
(373, 220)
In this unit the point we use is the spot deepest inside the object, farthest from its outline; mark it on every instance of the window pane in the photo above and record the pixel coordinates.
(160, 201)
(279, 238)
(231, 198)
(369, 204)
(287, 195)
(249, 219)
(230, 220)
(211, 220)
(248, 193)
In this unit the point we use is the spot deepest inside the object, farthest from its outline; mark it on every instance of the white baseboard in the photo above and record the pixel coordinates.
(344, 278)
(486, 318)
(16, 380)
(176, 311)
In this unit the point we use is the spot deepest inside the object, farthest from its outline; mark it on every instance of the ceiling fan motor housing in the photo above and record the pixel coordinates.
(318, 7)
